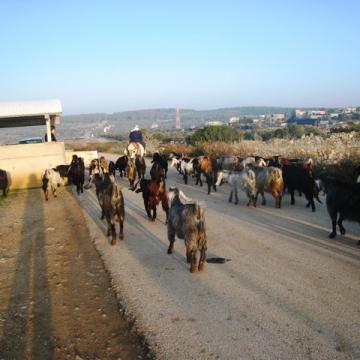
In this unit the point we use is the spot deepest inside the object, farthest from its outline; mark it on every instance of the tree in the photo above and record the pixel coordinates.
(296, 131)
(215, 133)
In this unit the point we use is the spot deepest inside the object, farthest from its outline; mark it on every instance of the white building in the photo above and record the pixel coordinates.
(214, 123)
(234, 119)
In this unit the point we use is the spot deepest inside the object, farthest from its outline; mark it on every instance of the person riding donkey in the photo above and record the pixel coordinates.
(136, 143)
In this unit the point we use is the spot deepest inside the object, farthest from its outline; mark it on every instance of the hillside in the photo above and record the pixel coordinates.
(88, 125)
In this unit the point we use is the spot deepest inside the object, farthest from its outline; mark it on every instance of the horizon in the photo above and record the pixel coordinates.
(117, 57)
(220, 108)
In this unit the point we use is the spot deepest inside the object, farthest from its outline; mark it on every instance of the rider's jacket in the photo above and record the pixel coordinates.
(136, 136)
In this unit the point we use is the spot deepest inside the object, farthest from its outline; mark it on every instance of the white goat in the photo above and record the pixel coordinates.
(51, 181)
(244, 179)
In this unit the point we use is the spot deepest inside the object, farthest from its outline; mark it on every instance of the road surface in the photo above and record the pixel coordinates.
(288, 293)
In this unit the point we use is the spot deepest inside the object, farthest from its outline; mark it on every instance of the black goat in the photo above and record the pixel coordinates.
(342, 199)
(121, 164)
(4, 182)
(77, 173)
(298, 178)
(162, 161)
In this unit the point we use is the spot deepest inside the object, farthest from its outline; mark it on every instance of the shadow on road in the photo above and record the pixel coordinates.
(28, 322)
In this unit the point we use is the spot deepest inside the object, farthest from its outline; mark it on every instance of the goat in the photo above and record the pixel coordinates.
(229, 163)
(357, 174)
(187, 221)
(114, 210)
(4, 182)
(176, 163)
(153, 193)
(208, 167)
(121, 164)
(187, 168)
(157, 172)
(245, 180)
(112, 168)
(111, 201)
(77, 173)
(342, 199)
(131, 173)
(301, 179)
(51, 180)
(269, 179)
(162, 161)
(140, 166)
(65, 171)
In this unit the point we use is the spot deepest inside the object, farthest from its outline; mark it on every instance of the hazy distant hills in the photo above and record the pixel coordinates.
(165, 118)
(88, 125)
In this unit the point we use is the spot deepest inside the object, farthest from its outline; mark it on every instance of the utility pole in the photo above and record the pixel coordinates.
(177, 119)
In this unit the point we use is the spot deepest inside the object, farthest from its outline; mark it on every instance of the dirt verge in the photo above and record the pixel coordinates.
(56, 300)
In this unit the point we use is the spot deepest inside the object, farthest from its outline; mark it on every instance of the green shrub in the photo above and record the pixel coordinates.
(215, 133)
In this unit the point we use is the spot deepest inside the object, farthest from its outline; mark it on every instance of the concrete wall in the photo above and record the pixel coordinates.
(26, 163)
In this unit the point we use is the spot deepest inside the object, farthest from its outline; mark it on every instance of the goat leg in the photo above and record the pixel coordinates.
(188, 256)
(333, 222)
(121, 233)
(341, 227)
(292, 196)
(108, 221)
(202, 259)
(193, 266)
(154, 213)
(171, 238)
(113, 234)
(263, 197)
(165, 207)
(236, 197)
(185, 177)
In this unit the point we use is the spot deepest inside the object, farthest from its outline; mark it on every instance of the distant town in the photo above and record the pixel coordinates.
(314, 117)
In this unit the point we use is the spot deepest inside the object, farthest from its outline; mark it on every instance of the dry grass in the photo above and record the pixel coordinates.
(116, 147)
(177, 148)
(336, 156)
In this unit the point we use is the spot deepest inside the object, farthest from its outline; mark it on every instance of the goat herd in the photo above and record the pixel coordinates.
(185, 217)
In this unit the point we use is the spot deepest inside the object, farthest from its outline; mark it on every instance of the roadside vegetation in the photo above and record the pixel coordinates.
(335, 152)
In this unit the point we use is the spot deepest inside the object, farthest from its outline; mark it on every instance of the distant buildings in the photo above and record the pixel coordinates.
(234, 120)
(303, 121)
(277, 117)
(350, 110)
(214, 123)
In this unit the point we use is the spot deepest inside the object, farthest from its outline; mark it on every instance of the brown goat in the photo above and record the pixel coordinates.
(269, 179)
(113, 209)
(187, 222)
(208, 167)
(131, 173)
(153, 193)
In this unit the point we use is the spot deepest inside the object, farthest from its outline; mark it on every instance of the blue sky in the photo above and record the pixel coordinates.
(107, 56)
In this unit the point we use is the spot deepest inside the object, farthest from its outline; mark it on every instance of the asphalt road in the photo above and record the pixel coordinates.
(288, 293)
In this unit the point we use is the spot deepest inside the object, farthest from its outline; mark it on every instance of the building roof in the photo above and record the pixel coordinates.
(29, 113)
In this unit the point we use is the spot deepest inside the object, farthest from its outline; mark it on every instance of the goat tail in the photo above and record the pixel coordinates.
(200, 218)
(276, 174)
(251, 175)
